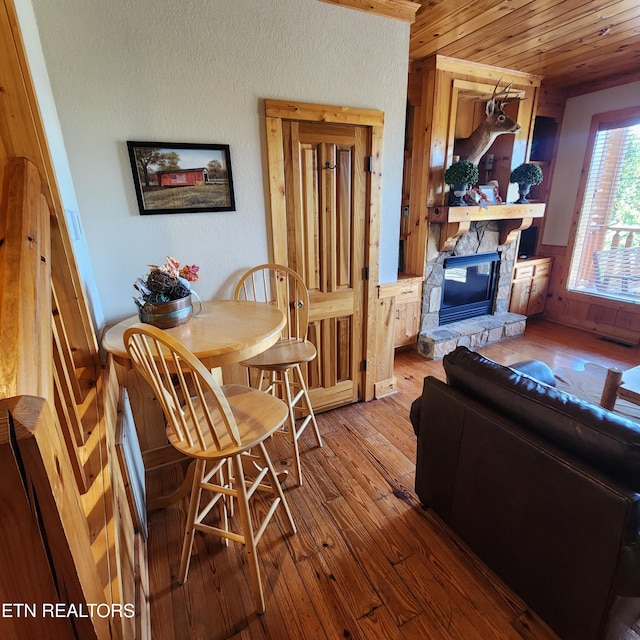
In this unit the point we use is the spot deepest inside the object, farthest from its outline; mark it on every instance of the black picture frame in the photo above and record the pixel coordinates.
(173, 177)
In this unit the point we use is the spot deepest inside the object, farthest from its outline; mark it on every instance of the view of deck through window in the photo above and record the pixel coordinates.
(606, 253)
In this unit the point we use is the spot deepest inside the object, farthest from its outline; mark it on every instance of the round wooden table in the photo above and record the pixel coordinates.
(224, 332)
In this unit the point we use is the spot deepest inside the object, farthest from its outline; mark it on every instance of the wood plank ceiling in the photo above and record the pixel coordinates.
(574, 44)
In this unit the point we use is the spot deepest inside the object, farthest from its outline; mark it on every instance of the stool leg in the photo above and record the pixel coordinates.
(260, 380)
(291, 430)
(224, 480)
(275, 483)
(229, 476)
(187, 543)
(247, 533)
(307, 401)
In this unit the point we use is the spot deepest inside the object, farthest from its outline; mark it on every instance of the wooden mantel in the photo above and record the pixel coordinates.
(456, 221)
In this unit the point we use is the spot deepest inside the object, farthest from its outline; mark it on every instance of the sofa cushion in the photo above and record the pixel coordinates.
(606, 441)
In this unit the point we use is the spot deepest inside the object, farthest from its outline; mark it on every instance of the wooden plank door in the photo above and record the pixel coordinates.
(326, 186)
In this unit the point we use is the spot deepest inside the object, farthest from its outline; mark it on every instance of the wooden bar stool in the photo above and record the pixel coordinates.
(282, 286)
(217, 426)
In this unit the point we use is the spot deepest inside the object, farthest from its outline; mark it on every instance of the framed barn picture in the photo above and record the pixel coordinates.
(181, 177)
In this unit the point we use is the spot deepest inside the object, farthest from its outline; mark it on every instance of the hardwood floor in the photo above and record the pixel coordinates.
(367, 562)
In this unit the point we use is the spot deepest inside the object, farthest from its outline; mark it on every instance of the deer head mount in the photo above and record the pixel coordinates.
(496, 123)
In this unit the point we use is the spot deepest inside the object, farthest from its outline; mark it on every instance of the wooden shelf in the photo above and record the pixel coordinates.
(456, 221)
(494, 212)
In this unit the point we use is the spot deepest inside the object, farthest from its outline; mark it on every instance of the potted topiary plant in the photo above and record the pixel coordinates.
(460, 175)
(526, 175)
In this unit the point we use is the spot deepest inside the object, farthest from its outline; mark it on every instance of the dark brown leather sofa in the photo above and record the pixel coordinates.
(543, 487)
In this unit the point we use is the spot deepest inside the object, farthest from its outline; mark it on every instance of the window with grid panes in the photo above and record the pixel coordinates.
(606, 251)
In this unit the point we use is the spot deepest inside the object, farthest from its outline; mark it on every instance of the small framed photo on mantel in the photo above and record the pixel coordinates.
(181, 177)
(490, 193)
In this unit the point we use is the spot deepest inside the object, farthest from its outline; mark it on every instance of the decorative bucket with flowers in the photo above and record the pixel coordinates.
(164, 298)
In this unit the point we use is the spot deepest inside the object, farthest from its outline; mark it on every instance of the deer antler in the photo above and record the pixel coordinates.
(497, 101)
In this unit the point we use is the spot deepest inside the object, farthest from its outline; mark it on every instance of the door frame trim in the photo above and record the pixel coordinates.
(277, 111)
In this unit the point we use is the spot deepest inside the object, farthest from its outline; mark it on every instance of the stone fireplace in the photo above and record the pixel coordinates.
(491, 322)
(468, 286)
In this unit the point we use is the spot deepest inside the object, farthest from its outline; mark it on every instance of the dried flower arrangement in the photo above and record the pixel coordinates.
(165, 282)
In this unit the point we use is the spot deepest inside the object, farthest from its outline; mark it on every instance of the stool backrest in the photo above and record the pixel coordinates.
(282, 286)
(197, 412)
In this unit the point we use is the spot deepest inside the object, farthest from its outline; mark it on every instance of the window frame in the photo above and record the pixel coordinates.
(608, 118)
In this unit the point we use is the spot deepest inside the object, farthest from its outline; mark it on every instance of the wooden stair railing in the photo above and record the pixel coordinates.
(68, 536)
(46, 549)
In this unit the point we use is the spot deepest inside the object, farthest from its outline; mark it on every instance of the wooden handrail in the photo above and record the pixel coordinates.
(25, 292)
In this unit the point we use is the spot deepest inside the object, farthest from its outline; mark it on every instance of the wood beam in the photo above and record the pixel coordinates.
(404, 10)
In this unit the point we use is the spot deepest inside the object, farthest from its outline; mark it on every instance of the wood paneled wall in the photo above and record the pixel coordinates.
(440, 89)
(610, 318)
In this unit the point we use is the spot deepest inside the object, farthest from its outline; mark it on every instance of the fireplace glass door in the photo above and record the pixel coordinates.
(469, 286)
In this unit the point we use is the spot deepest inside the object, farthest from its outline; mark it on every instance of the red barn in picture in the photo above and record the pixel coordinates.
(183, 177)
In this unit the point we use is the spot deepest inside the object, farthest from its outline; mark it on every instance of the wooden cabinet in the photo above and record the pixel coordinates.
(400, 309)
(407, 313)
(529, 286)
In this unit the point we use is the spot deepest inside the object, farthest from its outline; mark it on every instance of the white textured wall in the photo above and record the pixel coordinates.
(55, 141)
(196, 71)
(572, 147)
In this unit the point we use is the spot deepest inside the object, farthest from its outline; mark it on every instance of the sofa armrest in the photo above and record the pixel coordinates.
(414, 414)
